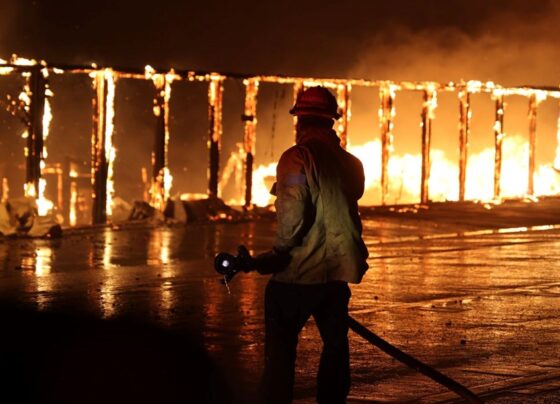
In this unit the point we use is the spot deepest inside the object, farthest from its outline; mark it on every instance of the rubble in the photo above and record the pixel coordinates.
(209, 209)
(19, 218)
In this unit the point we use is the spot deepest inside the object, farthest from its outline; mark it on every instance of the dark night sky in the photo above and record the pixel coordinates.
(373, 39)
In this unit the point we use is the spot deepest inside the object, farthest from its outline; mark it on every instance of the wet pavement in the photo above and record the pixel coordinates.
(482, 306)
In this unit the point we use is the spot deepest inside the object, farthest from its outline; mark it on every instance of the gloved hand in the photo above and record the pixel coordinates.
(245, 261)
(265, 263)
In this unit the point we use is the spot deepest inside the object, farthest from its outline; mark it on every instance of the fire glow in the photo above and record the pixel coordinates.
(403, 174)
(404, 171)
(488, 175)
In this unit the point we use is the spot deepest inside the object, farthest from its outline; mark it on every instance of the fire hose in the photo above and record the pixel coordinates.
(229, 265)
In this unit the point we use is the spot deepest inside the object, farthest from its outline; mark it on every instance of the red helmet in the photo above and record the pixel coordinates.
(316, 101)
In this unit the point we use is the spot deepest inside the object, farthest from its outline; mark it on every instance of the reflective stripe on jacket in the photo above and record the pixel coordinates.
(318, 185)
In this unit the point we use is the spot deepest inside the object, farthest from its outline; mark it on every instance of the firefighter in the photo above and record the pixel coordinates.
(318, 251)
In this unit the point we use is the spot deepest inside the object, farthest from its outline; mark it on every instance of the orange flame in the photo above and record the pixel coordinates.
(110, 151)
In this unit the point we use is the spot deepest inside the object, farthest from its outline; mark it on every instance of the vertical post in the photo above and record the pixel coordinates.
(343, 98)
(464, 133)
(386, 116)
(533, 103)
(161, 177)
(556, 163)
(60, 199)
(249, 138)
(428, 108)
(102, 151)
(215, 93)
(298, 88)
(498, 142)
(35, 88)
(66, 181)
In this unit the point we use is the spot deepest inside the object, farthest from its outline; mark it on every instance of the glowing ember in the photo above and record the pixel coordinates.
(5, 70)
(193, 196)
(15, 60)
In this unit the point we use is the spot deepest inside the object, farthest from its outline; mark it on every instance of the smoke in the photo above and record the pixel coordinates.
(8, 12)
(511, 48)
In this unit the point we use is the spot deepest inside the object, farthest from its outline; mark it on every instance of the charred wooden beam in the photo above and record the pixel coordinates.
(386, 115)
(159, 155)
(428, 107)
(498, 143)
(191, 75)
(343, 98)
(556, 164)
(464, 134)
(249, 139)
(66, 181)
(36, 88)
(215, 93)
(533, 103)
(102, 152)
(161, 178)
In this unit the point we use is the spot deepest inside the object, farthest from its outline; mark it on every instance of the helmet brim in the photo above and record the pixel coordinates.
(299, 111)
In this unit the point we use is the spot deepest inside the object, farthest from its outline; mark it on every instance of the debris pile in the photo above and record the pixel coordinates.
(20, 218)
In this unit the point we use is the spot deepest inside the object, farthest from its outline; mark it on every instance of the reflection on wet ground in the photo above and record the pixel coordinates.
(481, 306)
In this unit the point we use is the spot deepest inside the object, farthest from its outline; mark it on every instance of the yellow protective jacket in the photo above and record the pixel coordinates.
(318, 185)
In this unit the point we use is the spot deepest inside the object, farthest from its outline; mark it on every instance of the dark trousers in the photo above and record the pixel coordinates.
(287, 309)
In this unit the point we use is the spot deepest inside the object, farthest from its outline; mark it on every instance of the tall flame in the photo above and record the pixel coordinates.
(261, 187)
(73, 217)
(5, 190)
(44, 206)
(110, 151)
(404, 173)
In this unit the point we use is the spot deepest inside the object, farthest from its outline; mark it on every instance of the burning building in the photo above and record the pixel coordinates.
(84, 186)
